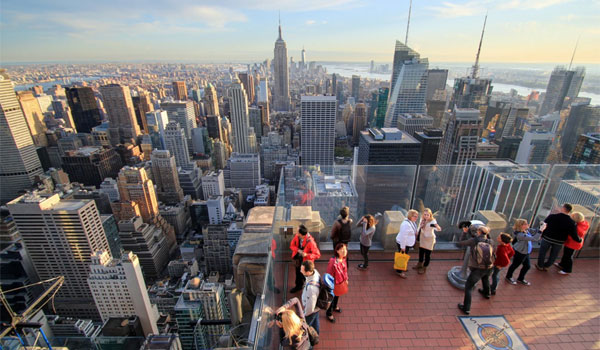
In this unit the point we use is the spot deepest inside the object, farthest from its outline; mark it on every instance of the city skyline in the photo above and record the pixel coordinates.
(342, 30)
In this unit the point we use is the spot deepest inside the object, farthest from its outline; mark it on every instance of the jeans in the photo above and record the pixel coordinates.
(567, 259)
(313, 321)
(474, 277)
(554, 250)
(406, 249)
(519, 259)
(299, 278)
(333, 305)
(364, 251)
(495, 278)
(424, 254)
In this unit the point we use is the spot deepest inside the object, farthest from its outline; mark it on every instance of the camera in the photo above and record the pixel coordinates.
(278, 317)
(431, 225)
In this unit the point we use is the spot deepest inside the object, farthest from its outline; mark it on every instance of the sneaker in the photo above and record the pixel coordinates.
(480, 290)
(511, 281)
(362, 267)
(525, 283)
(540, 268)
(558, 265)
(401, 274)
(461, 307)
(561, 272)
(295, 290)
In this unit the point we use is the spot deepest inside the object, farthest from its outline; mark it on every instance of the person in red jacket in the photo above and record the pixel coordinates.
(338, 268)
(303, 247)
(566, 263)
(504, 252)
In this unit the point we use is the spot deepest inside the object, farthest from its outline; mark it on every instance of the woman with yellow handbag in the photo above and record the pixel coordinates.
(338, 268)
(405, 240)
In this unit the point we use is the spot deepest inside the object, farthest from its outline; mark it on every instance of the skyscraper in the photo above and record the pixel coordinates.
(247, 80)
(239, 116)
(535, 147)
(211, 101)
(360, 121)
(183, 113)
(142, 105)
(317, 118)
(213, 124)
(281, 91)
(176, 143)
(179, 91)
(563, 87)
(436, 80)
(34, 117)
(355, 86)
(20, 163)
(587, 149)
(582, 119)
(388, 146)
(61, 236)
(121, 114)
(91, 165)
(217, 250)
(244, 172)
(459, 143)
(382, 99)
(430, 139)
(84, 108)
(164, 172)
(213, 184)
(119, 289)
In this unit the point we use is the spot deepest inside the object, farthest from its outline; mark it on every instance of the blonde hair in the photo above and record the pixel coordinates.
(577, 217)
(519, 223)
(292, 325)
(412, 213)
(427, 210)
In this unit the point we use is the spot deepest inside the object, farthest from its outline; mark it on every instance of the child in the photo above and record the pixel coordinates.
(368, 230)
(504, 252)
(522, 247)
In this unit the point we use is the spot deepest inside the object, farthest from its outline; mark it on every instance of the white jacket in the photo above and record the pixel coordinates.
(407, 235)
(310, 293)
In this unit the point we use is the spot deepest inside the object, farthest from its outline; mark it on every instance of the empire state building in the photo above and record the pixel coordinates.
(281, 90)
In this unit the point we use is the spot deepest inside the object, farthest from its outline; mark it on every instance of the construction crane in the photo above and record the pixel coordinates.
(19, 321)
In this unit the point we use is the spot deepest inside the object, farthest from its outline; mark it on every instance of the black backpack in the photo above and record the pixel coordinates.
(325, 295)
(345, 232)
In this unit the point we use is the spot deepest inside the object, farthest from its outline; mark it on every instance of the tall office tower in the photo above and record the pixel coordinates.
(239, 116)
(459, 143)
(142, 105)
(334, 84)
(220, 154)
(213, 184)
(303, 58)
(262, 92)
(175, 141)
(183, 113)
(244, 171)
(563, 87)
(34, 117)
(63, 111)
(211, 101)
(148, 242)
(164, 173)
(212, 296)
(90, 165)
(188, 314)
(119, 289)
(247, 80)
(20, 163)
(84, 108)
(360, 121)
(213, 124)
(180, 91)
(534, 147)
(471, 93)
(265, 119)
(582, 119)
(436, 80)
(317, 118)
(226, 130)
(217, 253)
(198, 136)
(509, 146)
(587, 149)
(430, 139)
(157, 123)
(255, 121)
(409, 84)
(60, 236)
(355, 86)
(388, 146)
(382, 99)
(121, 115)
(412, 123)
(281, 90)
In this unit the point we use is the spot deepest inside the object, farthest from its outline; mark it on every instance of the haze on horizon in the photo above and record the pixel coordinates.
(537, 31)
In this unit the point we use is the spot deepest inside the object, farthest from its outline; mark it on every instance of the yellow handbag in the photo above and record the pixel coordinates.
(401, 261)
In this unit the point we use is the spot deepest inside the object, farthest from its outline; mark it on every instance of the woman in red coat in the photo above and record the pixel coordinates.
(338, 268)
(566, 264)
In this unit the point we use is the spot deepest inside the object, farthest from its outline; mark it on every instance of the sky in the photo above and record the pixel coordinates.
(330, 30)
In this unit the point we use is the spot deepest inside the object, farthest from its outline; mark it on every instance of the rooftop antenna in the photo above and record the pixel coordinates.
(280, 24)
(476, 65)
(408, 23)
(575, 49)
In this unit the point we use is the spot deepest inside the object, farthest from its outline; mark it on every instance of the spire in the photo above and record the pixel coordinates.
(574, 50)
(476, 65)
(280, 38)
(408, 23)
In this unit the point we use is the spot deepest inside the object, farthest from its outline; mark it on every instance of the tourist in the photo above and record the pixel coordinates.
(426, 237)
(338, 268)
(405, 239)
(310, 294)
(304, 248)
(566, 264)
(504, 251)
(341, 232)
(522, 246)
(481, 261)
(559, 226)
(366, 236)
(294, 332)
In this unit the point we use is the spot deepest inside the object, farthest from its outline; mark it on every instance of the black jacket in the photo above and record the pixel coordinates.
(559, 227)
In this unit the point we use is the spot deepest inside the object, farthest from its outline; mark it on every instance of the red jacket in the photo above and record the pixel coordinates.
(582, 228)
(310, 247)
(339, 270)
(503, 254)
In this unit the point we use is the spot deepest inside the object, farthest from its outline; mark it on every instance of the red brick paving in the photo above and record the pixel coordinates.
(383, 311)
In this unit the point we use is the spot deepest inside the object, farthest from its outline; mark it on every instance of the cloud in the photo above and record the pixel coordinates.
(454, 10)
(310, 22)
(530, 4)
(476, 7)
(292, 5)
